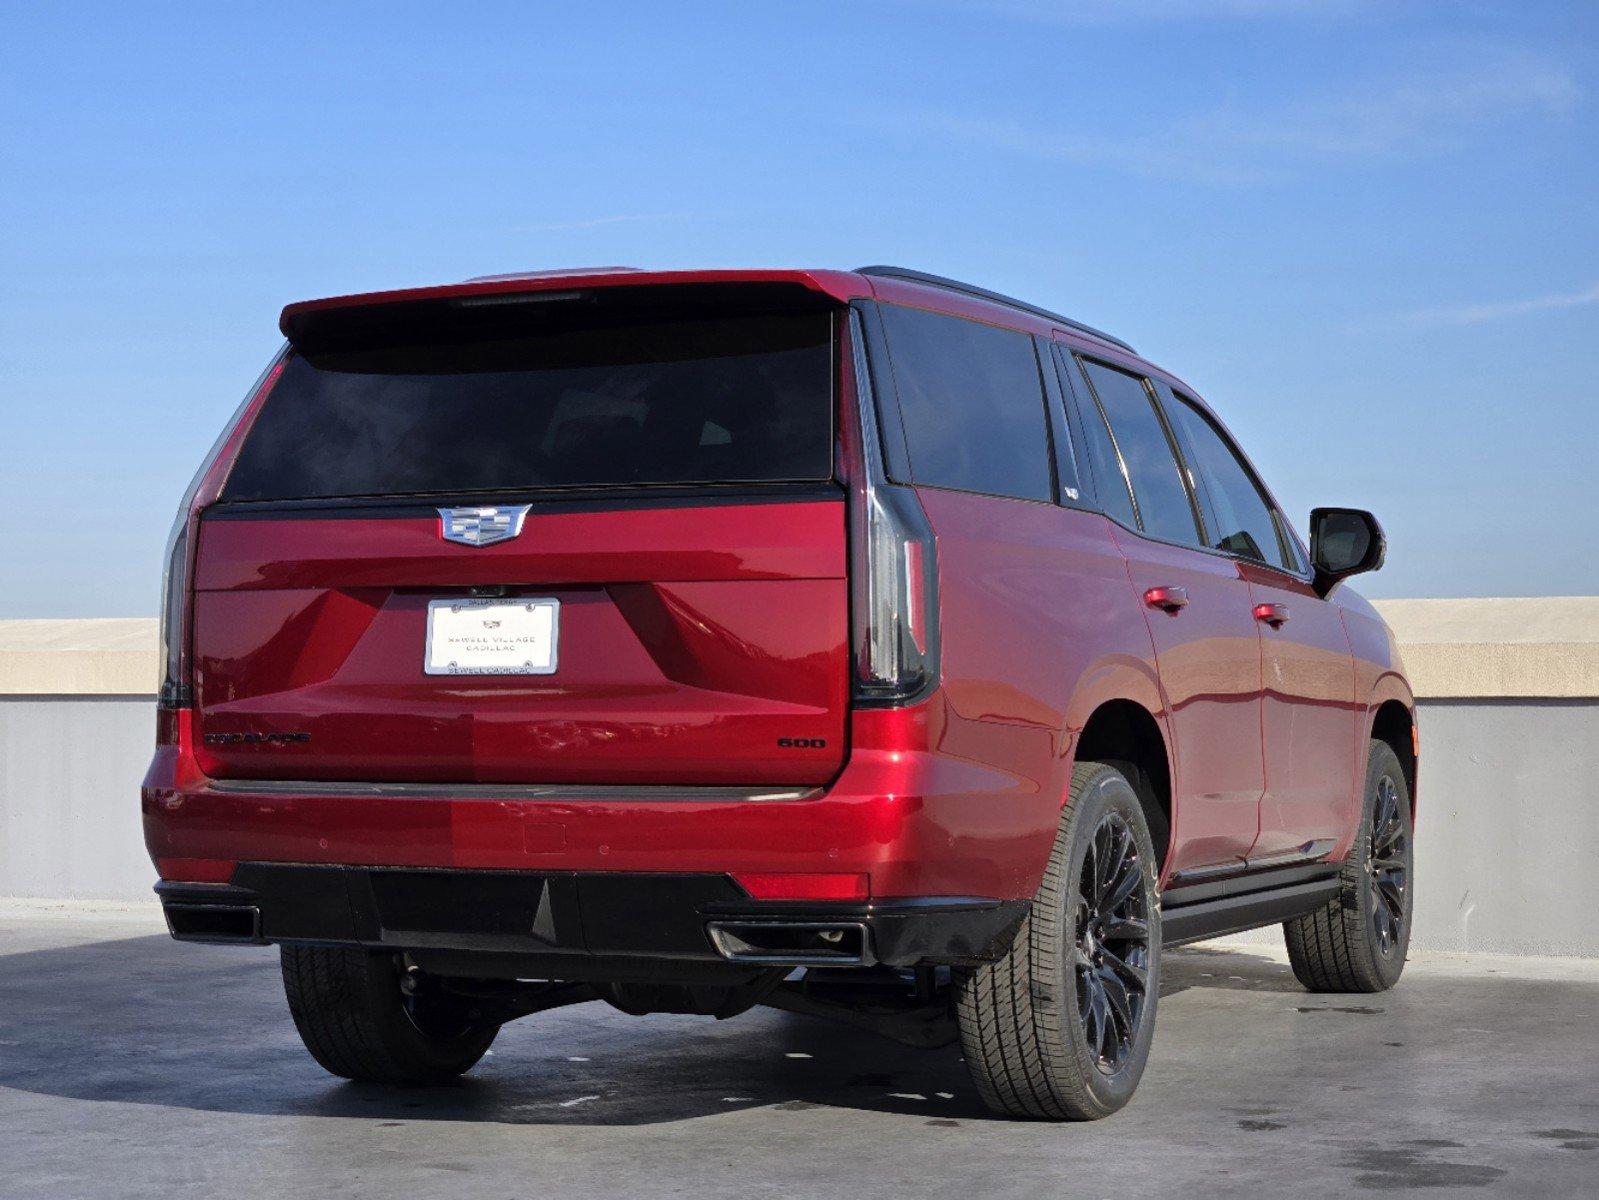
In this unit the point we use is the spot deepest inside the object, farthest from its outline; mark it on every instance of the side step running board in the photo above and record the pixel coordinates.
(1196, 921)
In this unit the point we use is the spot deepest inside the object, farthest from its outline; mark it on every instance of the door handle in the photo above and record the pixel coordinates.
(1167, 599)
(1273, 614)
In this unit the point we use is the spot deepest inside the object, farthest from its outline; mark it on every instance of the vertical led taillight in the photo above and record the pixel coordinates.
(176, 694)
(893, 559)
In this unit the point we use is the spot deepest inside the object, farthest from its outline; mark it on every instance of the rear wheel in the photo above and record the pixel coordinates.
(1060, 1028)
(1357, 942)
(364, 1016)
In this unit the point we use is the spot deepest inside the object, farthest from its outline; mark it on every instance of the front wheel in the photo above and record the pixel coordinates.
(364, 1016)
(1060, 1028)
(1357, 942)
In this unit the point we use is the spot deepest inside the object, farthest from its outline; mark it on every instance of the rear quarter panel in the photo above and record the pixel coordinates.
(1038, 630)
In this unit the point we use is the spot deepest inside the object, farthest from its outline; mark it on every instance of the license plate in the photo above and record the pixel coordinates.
(492, 637)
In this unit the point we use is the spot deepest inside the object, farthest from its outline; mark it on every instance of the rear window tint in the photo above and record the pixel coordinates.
(1110, 481)
(972, 404)
(723, 400)
(1164, 510)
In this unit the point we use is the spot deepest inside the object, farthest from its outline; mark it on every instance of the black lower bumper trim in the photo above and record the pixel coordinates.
(558, 922)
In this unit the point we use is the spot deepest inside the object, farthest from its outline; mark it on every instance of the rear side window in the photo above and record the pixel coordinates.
(1164, 510)
(972, 403)
(1109, 480)
(1238, 510)
(717, 400)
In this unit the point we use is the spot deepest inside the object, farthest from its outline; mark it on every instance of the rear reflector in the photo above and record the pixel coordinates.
(195, 870)
(806, 886)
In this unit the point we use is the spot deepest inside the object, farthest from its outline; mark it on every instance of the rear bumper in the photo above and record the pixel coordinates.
(918, 821)
(572, 925)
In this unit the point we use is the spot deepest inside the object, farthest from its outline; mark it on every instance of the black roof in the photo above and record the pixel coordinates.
(970, 289)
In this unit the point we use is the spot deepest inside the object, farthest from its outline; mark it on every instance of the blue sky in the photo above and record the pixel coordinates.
(1368, 233)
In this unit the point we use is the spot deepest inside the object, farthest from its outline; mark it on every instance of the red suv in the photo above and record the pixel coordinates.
(864, 644)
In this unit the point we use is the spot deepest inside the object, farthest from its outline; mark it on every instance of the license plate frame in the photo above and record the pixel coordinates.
(450, 621)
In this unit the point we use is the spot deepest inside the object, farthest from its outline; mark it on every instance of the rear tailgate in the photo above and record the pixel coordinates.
(699, 644)
(681, 516)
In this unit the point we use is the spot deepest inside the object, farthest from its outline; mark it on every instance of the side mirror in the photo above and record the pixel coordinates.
(1344, 542)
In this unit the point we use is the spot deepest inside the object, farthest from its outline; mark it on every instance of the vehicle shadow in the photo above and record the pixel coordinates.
(145, 1020)
(1238, 968)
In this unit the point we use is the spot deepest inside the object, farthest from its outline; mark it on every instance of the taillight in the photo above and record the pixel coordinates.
(177, 689)
(893, 566)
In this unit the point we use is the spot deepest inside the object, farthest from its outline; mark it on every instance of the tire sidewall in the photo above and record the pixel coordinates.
(1385, 967)
(1107, 791)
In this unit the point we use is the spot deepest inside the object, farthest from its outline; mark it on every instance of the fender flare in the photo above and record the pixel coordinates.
(1117, 677)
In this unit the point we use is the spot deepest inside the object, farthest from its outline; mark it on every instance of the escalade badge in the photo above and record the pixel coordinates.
(476, 526)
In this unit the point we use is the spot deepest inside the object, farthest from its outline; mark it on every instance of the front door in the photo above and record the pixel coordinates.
(1308, 719)
(1310, 722)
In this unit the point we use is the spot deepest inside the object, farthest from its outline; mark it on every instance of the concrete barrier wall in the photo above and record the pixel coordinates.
(70, 768)
(1507, 827)
(1508, 813)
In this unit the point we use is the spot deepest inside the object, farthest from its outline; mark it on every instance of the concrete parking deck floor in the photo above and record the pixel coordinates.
(133, 1066)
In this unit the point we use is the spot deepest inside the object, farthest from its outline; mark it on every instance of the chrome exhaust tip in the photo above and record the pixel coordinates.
(232, 923)
(793, 943)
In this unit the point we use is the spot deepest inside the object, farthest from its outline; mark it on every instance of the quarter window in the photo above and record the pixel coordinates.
(972, 404)
(1109, 482)
(1164, 509)
(1241, 516)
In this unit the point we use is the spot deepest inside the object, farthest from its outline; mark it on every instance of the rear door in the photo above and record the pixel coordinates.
(598, 543)
(1207, 648)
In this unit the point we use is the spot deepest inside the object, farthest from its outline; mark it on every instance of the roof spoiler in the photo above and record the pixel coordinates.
(344, 320)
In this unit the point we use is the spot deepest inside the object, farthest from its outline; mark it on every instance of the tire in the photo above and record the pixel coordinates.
(1357, 942)
(1021, 1019)
(357, 1023)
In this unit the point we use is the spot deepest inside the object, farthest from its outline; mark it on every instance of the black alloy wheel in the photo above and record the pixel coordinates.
(1358, 940)
(1387, 865)
(1060, 1026)
(1112, 951)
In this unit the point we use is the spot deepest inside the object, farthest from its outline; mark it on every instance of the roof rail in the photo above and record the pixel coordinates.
(955, 285)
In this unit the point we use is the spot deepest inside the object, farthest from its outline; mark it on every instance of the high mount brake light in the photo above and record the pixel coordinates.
(893, 565)
(177, 691)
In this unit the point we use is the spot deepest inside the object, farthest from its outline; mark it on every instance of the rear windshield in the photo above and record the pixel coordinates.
(712, 400)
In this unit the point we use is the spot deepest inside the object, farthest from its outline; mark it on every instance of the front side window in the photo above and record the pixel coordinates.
(1164, 510)
(972, 403)
(1242, 518)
